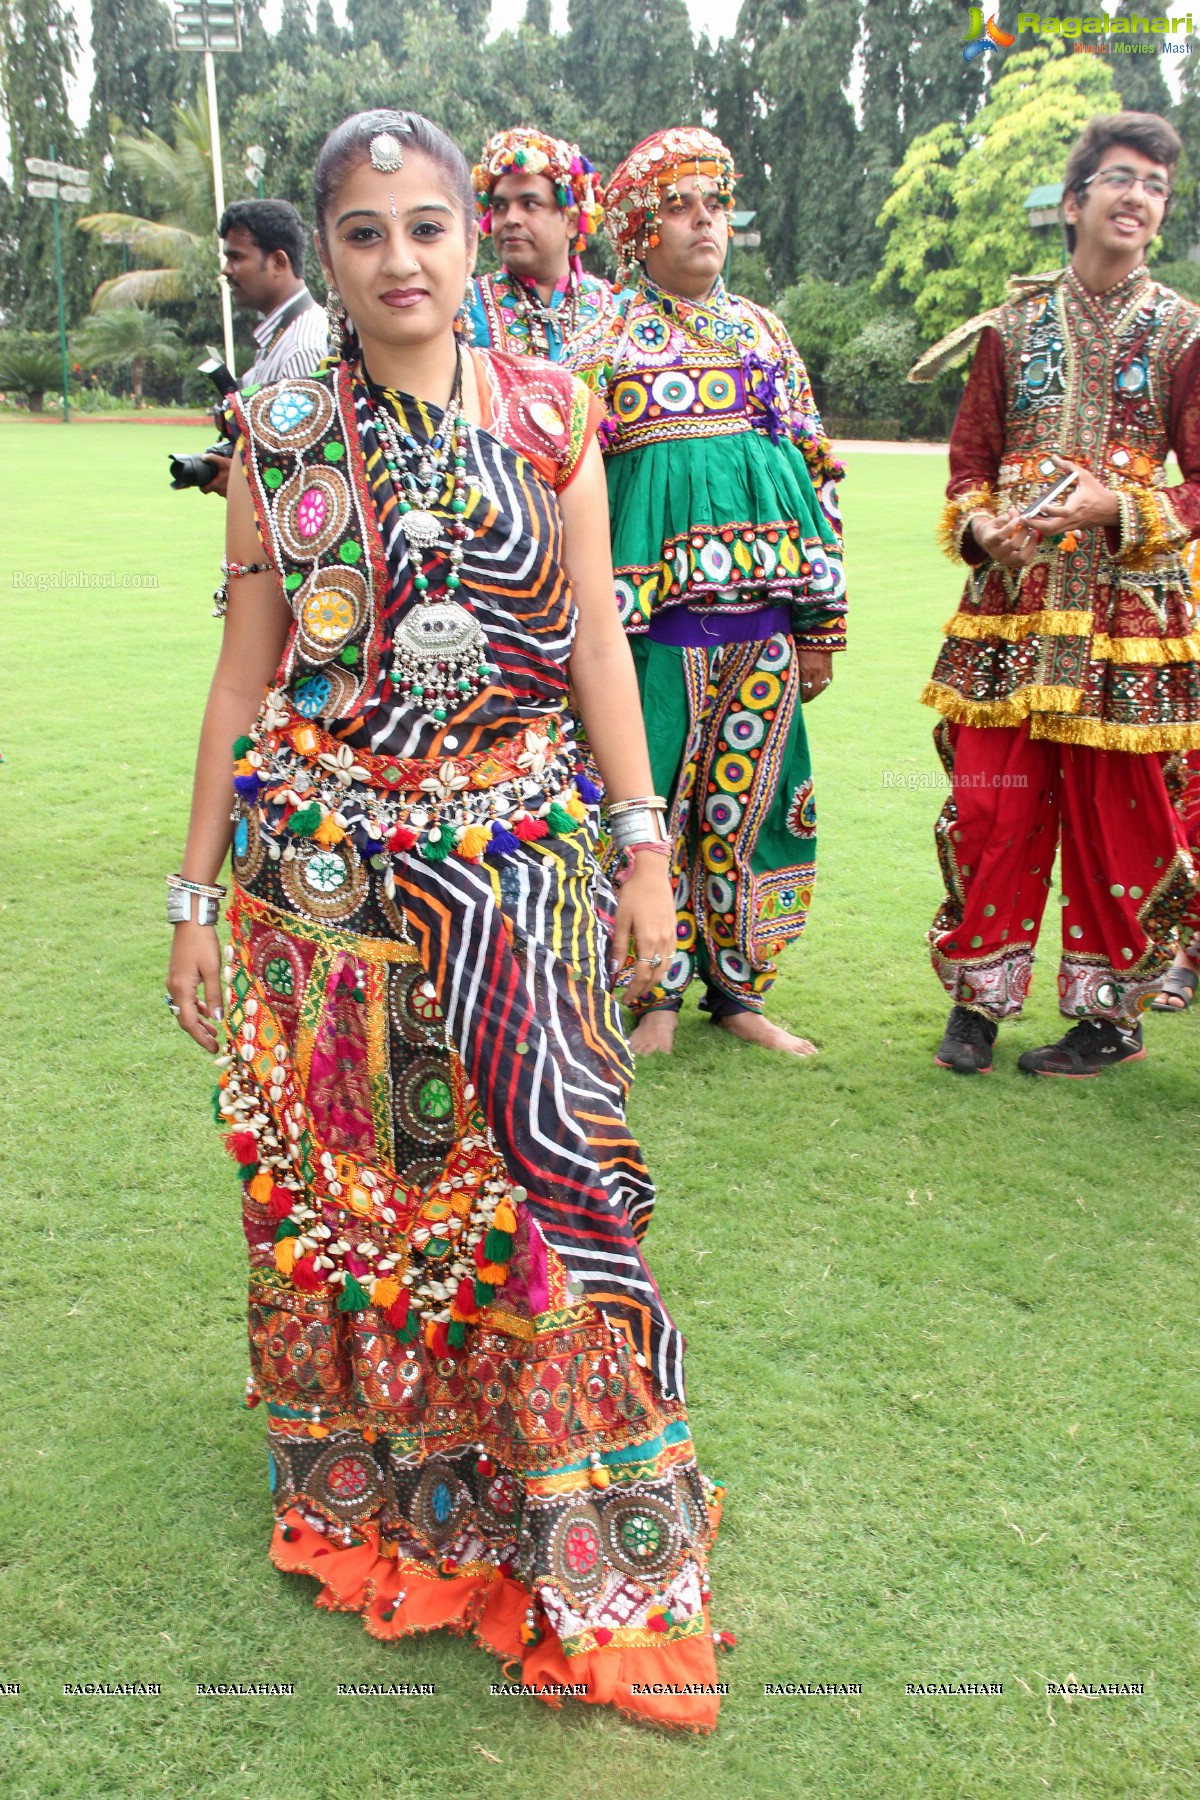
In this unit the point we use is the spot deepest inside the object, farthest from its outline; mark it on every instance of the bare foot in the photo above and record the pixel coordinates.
(654, 1031)
(753, 1028)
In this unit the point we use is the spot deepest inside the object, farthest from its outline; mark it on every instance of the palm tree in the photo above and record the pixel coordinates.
(178, 243)
(128, 337)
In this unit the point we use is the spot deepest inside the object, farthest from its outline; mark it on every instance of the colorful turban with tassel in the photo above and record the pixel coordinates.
(638, 185)
(524, 151)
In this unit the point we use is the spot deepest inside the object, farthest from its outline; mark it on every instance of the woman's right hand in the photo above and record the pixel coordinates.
(195, 968)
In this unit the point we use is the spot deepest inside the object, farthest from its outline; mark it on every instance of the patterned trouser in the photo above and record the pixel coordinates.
(1127, 878)
(728, 746)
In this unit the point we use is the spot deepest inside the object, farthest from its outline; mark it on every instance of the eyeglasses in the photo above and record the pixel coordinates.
(1122, 181)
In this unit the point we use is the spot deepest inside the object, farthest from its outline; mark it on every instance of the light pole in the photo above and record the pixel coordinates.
(210, 25)
(55, 181)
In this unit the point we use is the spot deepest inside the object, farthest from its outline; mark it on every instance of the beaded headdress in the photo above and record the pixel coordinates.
(650, 171)
(522, 150)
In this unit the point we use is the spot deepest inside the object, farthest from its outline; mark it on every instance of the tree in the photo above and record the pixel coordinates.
(30, 367)
(178, 239)
(1138, 79)
(129, 338)
(955, 218)
(38, 47)
(326, 30)
(294, 35)
(779, 90)
(631, 66)
(373, 22)
(913, 79)
(134, 73)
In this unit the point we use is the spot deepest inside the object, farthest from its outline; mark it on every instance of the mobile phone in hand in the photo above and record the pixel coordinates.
(1049, 495)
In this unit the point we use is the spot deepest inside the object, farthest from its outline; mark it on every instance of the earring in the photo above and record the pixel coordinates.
(464, 327)
(335, 312)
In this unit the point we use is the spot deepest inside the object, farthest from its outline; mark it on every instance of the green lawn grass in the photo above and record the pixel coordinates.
(941, 1331)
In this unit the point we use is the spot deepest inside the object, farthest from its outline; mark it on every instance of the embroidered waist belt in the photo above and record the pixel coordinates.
(307, 784)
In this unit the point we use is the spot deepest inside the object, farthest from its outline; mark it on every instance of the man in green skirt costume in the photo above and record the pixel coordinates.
(728, 556)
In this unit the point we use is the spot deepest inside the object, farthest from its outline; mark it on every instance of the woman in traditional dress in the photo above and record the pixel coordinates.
(474, 1391)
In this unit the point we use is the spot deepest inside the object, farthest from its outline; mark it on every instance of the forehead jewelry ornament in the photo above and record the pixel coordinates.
(386, 153)
(392, 206)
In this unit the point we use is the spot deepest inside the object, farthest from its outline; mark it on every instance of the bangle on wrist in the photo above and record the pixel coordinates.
(190, 902)
(648, 803)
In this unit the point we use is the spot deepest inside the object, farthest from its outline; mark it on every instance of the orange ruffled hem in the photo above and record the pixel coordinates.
(493, 1608)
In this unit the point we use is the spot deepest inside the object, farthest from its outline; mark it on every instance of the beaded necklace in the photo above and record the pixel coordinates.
(540, 315)
(439, 652)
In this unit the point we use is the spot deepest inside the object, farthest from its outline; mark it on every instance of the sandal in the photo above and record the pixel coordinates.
(1179, 984)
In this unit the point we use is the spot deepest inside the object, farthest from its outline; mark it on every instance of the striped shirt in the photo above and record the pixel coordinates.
(297, 349)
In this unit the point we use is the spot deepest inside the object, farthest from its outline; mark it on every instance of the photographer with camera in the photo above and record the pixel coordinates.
(263, 262)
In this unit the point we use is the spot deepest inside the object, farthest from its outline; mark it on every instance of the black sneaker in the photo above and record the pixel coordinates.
(967, 1045)
(1089, 1047)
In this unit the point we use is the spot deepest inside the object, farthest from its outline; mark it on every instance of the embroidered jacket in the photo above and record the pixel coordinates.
(502, 319)
(687, 374)
(1093, 642)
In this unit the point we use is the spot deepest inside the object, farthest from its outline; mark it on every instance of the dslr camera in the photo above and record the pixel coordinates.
(195, 471)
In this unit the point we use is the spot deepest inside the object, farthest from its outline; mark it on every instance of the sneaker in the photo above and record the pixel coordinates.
(967, 1045)
(1089, 1047)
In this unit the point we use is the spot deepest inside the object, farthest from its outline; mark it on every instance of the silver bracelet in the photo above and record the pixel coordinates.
(646, 826)
(183, 906)
(650, 802)
(213, 889)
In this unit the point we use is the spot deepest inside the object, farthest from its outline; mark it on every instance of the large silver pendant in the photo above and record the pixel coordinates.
(421, 528)
(439, 656)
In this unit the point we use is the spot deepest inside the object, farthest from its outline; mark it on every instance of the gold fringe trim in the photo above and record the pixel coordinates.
(1145, 650)
(1012, 711)
(1050, 720)
(1153, 531)
(1015, 626)
(1099, 736)
(954, 518)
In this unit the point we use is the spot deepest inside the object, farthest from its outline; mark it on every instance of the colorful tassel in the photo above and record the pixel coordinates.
(328, 832)
(587, 790)
(574, 805)
(260, 1187)
(497, 1245)
(602, 1635)
(437, 844)
(286, 1228)
(401, 837)
(353, 1297)
(397, 1312)
(306, 1275)
(285, 1255)
(504, 1218)
(485, 1293)
(304, 822)
(243, 1147)
(473, 842)
(559, 821)
(529, 828)
(503, 843)
(281, 1202)
(464, 1298)
(242, 747)
(495, 1274)
(385, 1291)
(456, 1334)
(246, 786)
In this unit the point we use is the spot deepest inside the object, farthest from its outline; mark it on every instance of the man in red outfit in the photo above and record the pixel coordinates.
(1070, 671)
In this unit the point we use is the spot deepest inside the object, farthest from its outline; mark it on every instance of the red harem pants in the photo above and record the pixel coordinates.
(1128, 878)
(1188, 805)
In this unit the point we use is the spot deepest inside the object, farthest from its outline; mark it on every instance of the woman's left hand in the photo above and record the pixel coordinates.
(645, 923)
